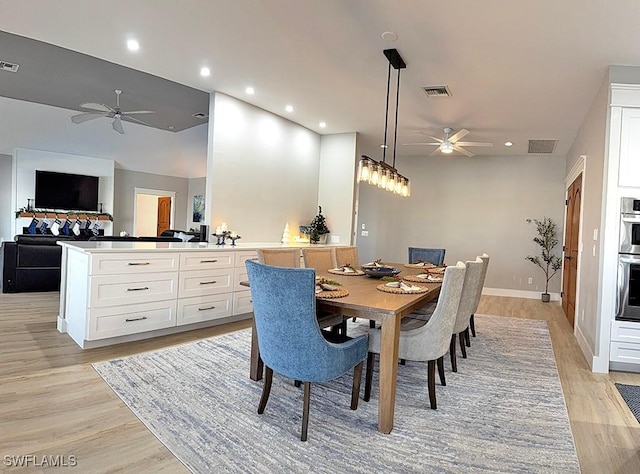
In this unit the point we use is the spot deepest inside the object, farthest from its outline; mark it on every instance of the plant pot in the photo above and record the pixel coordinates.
(546, 297)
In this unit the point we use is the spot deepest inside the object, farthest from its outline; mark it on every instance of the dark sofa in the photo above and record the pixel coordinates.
(31, 263)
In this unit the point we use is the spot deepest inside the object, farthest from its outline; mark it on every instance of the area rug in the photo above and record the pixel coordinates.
(631, 395)
(503, 411)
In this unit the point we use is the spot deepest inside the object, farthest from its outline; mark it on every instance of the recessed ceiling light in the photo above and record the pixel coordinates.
(205, 72)
(171, 127)
(133, 45)
(250, 90)
(322, 124)
(508, 143)
(289, 108)
(390, 36)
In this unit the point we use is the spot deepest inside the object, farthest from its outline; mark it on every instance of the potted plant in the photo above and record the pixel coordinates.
(549, 263)
(319, 229)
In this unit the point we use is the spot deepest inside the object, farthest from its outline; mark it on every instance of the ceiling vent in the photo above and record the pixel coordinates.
(5, 66)
(437, 91)
(542, 146)
(200, 115)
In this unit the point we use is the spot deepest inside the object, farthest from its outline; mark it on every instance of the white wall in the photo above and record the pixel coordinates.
(468, 206)
(262, 171)
(6, 211)
(26, 162)
(336, 184)
(146, 215)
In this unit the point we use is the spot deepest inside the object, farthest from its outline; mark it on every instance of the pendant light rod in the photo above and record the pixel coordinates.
(386, 116)
(395, 128)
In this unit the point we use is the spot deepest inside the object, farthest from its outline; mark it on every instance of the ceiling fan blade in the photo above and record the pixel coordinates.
(134, 112)
(419, 144)
(117, 125)
(435, 152)
(136, 120)
(95, 106)
(458, 135)
(462, 150)
(81, 118)
(473, 144)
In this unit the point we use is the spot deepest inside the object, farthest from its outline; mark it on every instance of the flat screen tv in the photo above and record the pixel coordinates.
(71, 192)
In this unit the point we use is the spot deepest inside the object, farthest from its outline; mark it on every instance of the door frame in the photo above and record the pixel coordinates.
(580, 166)
(153, 192)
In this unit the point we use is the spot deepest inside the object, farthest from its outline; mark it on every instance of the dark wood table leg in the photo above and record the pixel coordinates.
(256, 368)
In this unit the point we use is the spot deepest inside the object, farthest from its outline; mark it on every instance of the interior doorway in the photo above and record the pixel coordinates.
(153, 211)
(571, 244)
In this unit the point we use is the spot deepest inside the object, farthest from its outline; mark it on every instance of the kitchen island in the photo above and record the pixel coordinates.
(113, 292)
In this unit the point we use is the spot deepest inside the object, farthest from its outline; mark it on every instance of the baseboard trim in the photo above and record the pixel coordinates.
(597, 364)
(534, 295)
(61, 325)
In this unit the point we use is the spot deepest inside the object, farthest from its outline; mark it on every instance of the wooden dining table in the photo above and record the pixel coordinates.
(366, 301)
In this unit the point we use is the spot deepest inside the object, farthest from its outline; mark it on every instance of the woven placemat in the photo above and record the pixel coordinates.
(416, 279)
(420, 265)
(400, 291)
(339, 293)
(355, 272)
(437, 270)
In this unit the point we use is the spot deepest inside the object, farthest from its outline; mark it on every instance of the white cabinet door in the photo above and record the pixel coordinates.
(205, 282)
(204, 308)
(130, 319)
(117, 290)
(243, 255)
(630, 148)
(133, 262)
(242, 302)
(205, 260)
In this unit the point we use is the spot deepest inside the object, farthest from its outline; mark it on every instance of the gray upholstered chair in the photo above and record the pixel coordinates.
(435, 256)
(465, 309)
(347, 256)
(321, 258)
(472, 322)
(426, 341)
(289, 338)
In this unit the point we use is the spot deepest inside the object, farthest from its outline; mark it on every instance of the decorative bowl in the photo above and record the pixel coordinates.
(379, 272)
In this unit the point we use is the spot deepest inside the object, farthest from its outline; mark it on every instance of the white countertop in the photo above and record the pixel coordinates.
(105, 246)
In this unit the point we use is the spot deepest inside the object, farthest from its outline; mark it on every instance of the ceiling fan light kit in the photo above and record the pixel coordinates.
(102, 110)
(380, 173)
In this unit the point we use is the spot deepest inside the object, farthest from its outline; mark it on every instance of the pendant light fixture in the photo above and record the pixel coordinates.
(380, 173)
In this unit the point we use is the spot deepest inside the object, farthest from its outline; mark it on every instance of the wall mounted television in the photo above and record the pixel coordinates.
(71, 192)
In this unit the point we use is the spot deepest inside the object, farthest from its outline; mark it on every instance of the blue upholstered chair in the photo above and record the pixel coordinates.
(435, 256)
(289, 338)
(426, 341)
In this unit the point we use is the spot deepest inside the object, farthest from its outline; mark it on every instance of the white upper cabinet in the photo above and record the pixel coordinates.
(630, 148)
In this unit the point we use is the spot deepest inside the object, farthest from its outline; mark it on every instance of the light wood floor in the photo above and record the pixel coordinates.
(53, 403)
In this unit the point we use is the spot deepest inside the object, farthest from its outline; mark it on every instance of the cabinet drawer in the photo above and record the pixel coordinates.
(243, 255)
(205, 282)
(625, 331)
(625, 352)
(204, 308)
(130, 319)
(111, 290)
(123, 263)
(240, 274)
(205, 260)
(242, 302)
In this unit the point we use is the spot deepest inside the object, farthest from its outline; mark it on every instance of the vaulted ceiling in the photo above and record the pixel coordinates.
(516, 70)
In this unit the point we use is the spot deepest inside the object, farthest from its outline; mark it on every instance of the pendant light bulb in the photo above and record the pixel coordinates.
(375, 175)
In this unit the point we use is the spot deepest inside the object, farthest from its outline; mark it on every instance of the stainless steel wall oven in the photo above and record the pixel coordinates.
(628, 307)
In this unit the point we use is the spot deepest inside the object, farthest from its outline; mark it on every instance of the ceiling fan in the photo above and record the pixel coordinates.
(451, 143)
(103, 110)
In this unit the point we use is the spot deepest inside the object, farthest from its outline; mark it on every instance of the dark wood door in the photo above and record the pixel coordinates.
(570, 267)
(164, 214)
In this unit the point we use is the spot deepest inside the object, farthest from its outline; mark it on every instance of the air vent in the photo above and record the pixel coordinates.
(5, 66)
(437, 91)
(542, 146)
(200, 115)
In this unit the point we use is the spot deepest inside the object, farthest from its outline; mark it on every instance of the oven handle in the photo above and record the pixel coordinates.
(628, 258)
(631, 218)
(619, 298)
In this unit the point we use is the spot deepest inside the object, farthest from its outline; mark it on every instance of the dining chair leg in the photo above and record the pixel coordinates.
(368, 377)
(266, 389)
(305, 411)
(431, 382)
(472, 325)
(372, 324)
(440, 361)
(297, 383)
(452, 352)
(467, 337)
(355, 390)
(463, 346)
(403, 361)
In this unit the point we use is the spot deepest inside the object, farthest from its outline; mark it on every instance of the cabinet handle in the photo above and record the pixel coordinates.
(206, 309)
(254, 258)
(208, 261)
(208, 282)
(138, 263)
(138, 289)
(135, 319)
